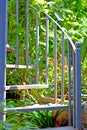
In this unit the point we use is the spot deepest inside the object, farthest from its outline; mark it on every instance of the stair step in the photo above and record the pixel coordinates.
(14, 66)
(37, 107)
(32, 86)
(60, 128)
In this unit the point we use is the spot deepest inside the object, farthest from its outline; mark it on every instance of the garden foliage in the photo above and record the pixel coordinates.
(72, 16)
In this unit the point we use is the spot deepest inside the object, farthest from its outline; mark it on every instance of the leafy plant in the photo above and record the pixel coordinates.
(43, 119)
(70, 14)
(35, 119)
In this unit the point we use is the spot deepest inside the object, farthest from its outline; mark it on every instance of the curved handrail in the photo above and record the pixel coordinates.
(71, 42)
(61, 28)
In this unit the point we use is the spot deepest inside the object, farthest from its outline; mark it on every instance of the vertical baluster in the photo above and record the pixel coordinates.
(27, 31)
(6, 29)
(62, 84)
(3, 41)
(69, 80)
(7, 26)
(78, 86)
(74, 93)
(37, 46)
(47, 47)
(17, 19)
(55, 60)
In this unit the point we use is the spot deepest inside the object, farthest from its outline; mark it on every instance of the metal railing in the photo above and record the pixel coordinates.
(72, 48)
(76, 75)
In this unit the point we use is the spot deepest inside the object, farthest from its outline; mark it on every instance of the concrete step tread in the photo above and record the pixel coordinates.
(60, 128)
(37, 107)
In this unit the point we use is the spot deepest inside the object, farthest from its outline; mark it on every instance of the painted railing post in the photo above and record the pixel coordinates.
(3, 40)
(78, 86)
(74, 91)
(27, 32)
(37, 46)
(47, 47)
(62, 67)
(17, 36)
(69, 80)
(55, 62)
